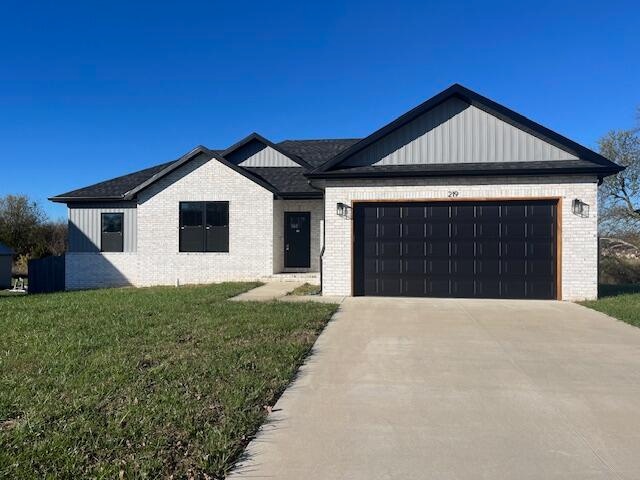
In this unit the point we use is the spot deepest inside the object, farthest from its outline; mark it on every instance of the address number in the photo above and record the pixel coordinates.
(452, 193)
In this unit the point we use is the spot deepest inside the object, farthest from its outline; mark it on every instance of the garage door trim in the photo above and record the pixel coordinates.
(465, 199)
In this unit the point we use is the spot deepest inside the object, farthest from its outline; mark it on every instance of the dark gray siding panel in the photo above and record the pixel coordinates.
(85, 226)
(457, 132)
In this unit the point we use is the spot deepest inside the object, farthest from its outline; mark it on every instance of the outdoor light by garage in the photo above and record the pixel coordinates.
(578, 207)
(342, 209)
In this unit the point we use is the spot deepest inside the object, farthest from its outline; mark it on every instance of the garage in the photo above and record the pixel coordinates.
(463, 249)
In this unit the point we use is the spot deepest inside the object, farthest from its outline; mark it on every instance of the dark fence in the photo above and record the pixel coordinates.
(46, 275)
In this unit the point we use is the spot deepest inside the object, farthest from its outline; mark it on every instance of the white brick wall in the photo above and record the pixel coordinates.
(99, 270)
(579, 235)
(158, 261)
(316, 209)
(250, 253)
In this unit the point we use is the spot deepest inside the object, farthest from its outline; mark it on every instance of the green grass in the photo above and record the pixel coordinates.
(619, 301)
(142, 383)
(306, 289)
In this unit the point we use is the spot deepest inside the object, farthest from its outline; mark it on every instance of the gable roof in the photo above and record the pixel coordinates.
(597, 162)
(322, 158)
(256, 137)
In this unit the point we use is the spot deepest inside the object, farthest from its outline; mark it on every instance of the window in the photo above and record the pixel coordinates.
(204, 226)
(112, 238)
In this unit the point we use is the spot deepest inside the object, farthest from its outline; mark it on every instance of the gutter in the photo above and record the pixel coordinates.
(310, 182)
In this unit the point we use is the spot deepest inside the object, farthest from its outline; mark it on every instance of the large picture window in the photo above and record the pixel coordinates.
(111, 239)
(204, 226)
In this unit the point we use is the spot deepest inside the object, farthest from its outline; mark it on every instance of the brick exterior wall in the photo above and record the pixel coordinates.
(158, 261)
(579, 235)
(100, 270)
(250, 253)
(316, 209)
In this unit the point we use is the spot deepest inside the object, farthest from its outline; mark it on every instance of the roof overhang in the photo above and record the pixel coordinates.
(486, 170)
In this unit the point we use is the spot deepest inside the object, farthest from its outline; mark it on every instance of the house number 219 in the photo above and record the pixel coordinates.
(452, 193)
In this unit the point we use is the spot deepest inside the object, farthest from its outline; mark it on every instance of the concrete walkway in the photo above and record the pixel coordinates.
(267, 292)
(459, 389)
(279, 290)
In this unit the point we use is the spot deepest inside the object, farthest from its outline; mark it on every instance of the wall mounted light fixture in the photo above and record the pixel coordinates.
(579, 208)
(342, 209)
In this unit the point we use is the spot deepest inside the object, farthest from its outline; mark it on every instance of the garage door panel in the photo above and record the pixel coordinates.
(386, 230)
(415, 267)
(540, 268)
(465, 229)
(487, 249)
(463, 267)
(488, 268)
(513, 230)
(414, 248)
(438, 230)
(488, 230)
(495, 249)
(463, 289)
(438, 267)
(415, 287)
(539, 230)
(413, 230)
(438, 287)
(414, 212)
(514, 267)
(390, 249)
(466, 249)
(438, 248)
(390, 266)
(437, 211)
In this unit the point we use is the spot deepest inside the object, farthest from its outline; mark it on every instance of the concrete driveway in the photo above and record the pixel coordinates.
(459, 389)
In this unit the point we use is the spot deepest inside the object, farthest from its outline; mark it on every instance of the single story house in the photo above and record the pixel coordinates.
(459, 197)
(6, 261)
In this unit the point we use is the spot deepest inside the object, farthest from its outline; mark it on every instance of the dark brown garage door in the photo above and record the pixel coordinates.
(461, 249)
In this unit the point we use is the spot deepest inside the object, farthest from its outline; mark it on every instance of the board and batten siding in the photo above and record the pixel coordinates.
(85, 225)
(257, 154)
(457, 132)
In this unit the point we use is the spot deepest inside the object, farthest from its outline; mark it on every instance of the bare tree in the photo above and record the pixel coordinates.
(620, 194)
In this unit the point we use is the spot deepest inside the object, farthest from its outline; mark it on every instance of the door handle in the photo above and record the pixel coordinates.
(286, 247)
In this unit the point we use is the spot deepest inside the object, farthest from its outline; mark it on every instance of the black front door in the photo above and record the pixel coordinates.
(297, 239)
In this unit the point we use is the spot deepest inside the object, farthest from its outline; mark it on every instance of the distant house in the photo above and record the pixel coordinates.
(458, 197)
(6, 259)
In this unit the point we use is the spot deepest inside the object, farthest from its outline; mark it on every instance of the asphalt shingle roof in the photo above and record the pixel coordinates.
(286, 180)
(317, 152)
(116, 187)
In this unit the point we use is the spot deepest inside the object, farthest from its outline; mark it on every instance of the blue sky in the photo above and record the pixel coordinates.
(92, 90)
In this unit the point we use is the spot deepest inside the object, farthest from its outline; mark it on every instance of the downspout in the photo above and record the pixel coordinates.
(324, 223)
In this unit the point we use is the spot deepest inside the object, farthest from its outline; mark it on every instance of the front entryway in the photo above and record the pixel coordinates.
(297, 239)
(468, 249)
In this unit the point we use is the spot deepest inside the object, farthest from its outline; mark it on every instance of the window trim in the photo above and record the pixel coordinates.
(204, 227)
(102, 214)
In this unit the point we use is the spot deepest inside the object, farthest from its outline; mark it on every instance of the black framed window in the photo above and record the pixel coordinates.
(112, 237)
(204, 226)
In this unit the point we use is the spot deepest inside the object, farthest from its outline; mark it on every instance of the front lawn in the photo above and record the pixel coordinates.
(619, 301)
(136, 383)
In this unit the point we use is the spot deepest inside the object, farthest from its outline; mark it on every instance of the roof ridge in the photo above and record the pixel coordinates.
(317, 139)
